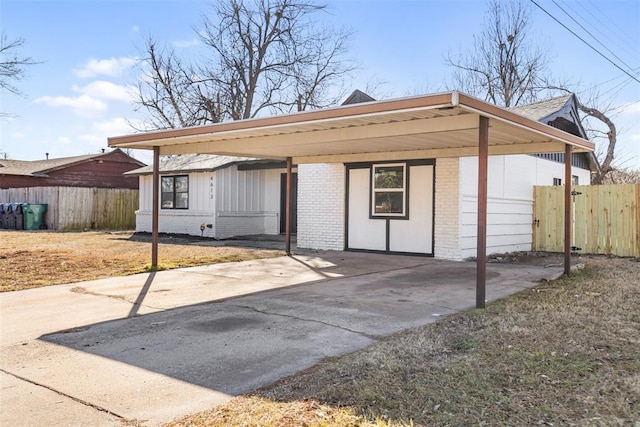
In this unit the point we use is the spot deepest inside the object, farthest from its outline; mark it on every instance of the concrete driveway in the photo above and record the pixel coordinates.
(153, 347)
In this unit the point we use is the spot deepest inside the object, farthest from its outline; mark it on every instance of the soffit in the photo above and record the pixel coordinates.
(442, 125)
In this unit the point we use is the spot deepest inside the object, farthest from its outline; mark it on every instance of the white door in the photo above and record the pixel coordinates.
(416, 233)
(364, 233)
(411, 232)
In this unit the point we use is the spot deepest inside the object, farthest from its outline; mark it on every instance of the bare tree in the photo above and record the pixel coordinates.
(12, 65)
(611, 135)
(597, 123)
(169, 93)
(503, 67)
(622, 176)
(261, 56)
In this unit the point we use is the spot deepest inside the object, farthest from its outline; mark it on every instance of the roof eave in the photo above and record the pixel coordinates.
(251, 127)
(145, 140)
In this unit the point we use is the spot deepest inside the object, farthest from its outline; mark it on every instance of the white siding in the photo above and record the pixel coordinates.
(510, 200)
(248, 202)
(321, 206)
(233, 202)
(201, 208)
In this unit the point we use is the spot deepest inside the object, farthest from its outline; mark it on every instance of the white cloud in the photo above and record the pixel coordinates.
(102, 89)
(134, 29)
(97, 133)
(113, 67)
(186, 43)
(64, 140)
(83, 105)
(17, 135)
(7, 118)
(631, 108)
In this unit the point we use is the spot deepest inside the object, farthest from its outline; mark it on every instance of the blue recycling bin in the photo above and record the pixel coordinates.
(11, 220)
(16, 211)
(3, 217)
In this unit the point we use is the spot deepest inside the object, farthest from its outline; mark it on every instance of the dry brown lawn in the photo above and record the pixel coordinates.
(563, 353)
(34, 259)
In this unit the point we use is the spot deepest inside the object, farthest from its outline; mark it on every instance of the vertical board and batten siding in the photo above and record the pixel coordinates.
(606, 219)
(510, 200)
(248, 202)
(229, 202)
(79, 208)
(181, 221)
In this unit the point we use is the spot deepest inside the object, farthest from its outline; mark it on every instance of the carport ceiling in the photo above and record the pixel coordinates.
(431, 126)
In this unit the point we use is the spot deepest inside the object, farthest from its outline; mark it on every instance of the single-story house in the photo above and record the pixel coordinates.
(381, 205)
(222, 196)
(214, 196)
(429, 175)
(81, 192)
(99, 170)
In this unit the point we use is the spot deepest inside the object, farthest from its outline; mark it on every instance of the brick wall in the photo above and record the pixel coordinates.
(447, 209)
(321, 206)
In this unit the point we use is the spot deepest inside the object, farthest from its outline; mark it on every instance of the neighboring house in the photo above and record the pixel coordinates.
(230, 196)
(102, 170)
(400, 176)
(80, 192)
(561, 113)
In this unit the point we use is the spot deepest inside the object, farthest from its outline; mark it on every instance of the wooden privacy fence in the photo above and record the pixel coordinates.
(606, 219)
(78, 208)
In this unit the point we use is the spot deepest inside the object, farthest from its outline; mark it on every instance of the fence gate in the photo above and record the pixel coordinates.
(606, 219)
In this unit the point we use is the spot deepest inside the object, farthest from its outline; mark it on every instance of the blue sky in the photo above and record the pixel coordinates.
(79, 93)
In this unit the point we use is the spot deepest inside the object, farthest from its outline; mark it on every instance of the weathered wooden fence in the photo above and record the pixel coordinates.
(78, 208)
(606, 219)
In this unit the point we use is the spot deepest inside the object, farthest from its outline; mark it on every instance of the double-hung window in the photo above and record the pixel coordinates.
(389, 190)
(175, 192)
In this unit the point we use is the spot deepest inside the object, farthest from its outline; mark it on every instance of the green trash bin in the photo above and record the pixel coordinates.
(33, 216)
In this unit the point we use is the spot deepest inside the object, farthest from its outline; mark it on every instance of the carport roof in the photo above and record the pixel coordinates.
(429, 126)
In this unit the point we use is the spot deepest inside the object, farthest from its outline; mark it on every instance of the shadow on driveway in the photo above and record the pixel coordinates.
(164, 364)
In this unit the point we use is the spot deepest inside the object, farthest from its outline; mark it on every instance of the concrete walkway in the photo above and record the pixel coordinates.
(153, 347)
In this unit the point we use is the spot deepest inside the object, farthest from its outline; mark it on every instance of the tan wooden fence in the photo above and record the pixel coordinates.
(606, 219)
(78, 208)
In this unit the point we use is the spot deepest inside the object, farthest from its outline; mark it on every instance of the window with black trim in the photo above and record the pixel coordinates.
(388, 190)
(175, 192)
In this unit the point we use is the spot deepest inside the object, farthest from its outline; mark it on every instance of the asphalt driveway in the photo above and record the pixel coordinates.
(153, 347)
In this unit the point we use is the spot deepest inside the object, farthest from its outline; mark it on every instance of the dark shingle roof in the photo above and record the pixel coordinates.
(193, 163)
(541, 110)
(560, 112)
(356, 97)
(40, 167)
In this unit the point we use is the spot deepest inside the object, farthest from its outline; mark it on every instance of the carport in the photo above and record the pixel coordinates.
(450, 124)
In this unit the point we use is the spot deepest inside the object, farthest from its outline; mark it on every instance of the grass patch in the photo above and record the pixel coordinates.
(35, 259)
(562, 353)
